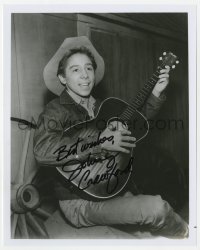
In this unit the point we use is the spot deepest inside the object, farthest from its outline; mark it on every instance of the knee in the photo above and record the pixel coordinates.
(71, 211)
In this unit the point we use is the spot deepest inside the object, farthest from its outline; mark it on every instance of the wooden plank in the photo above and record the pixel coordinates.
(35, 225)
(15, 101)
(30, 64)
(37, 39)
(42, 213)
(16, 134)
(139, 25)
(23, 227)
(67, 16)
(14, 220)
(107, 27)
(106, 44)
(21, 171)
(176, 106)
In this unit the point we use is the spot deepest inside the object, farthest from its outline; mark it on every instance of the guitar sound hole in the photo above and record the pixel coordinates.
(116, 124)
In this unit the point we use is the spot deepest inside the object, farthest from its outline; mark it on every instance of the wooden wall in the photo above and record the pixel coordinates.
(35, 37)
(130, 55)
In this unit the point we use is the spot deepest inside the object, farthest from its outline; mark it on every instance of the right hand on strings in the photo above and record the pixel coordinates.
(122, 140)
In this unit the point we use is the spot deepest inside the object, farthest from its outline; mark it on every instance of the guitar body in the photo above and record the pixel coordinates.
(104, 178)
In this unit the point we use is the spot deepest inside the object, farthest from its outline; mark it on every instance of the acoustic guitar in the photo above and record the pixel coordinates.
(105, 175)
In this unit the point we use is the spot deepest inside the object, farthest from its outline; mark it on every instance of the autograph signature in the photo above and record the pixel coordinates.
(84, 173)
(85, 176)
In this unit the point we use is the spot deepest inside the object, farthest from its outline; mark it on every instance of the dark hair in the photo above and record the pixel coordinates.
(81, 50)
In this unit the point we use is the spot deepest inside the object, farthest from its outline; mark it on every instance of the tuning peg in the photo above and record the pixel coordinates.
(160, 58)
(164, 53)
(177, 62)
(173, 66)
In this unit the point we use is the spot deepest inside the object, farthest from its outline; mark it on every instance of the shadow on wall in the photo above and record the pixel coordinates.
(48, 97)
(156, 172)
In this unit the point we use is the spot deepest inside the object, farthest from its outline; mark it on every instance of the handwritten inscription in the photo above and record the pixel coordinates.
(93, 170)
(63, 152)
(84, 174)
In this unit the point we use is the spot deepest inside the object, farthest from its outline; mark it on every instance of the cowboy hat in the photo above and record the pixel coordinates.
(50, 71)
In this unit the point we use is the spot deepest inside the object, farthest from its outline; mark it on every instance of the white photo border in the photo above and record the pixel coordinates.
(192, 49)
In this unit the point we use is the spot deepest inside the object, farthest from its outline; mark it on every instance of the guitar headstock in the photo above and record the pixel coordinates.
(168, 59)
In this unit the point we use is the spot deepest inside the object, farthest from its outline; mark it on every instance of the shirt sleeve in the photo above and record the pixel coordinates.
(153, 105)
(53, 147)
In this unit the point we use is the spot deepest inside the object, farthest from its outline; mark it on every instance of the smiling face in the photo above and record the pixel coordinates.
(79, 74)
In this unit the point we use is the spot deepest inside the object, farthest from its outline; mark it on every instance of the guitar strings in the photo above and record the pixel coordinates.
(140, 96)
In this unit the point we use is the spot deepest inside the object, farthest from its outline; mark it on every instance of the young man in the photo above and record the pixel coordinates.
(72, 73)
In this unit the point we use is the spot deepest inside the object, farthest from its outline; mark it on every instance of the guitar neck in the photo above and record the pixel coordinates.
(139, 100)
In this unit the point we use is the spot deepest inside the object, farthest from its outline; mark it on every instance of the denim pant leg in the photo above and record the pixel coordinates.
(144, 210)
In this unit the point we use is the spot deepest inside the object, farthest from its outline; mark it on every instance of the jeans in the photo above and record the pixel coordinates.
(145, 211)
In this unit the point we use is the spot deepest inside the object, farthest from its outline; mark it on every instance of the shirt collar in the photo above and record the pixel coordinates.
(78, 99)
(66, 98)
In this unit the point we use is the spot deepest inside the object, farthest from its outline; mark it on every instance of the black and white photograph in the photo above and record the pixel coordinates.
(99, 123)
